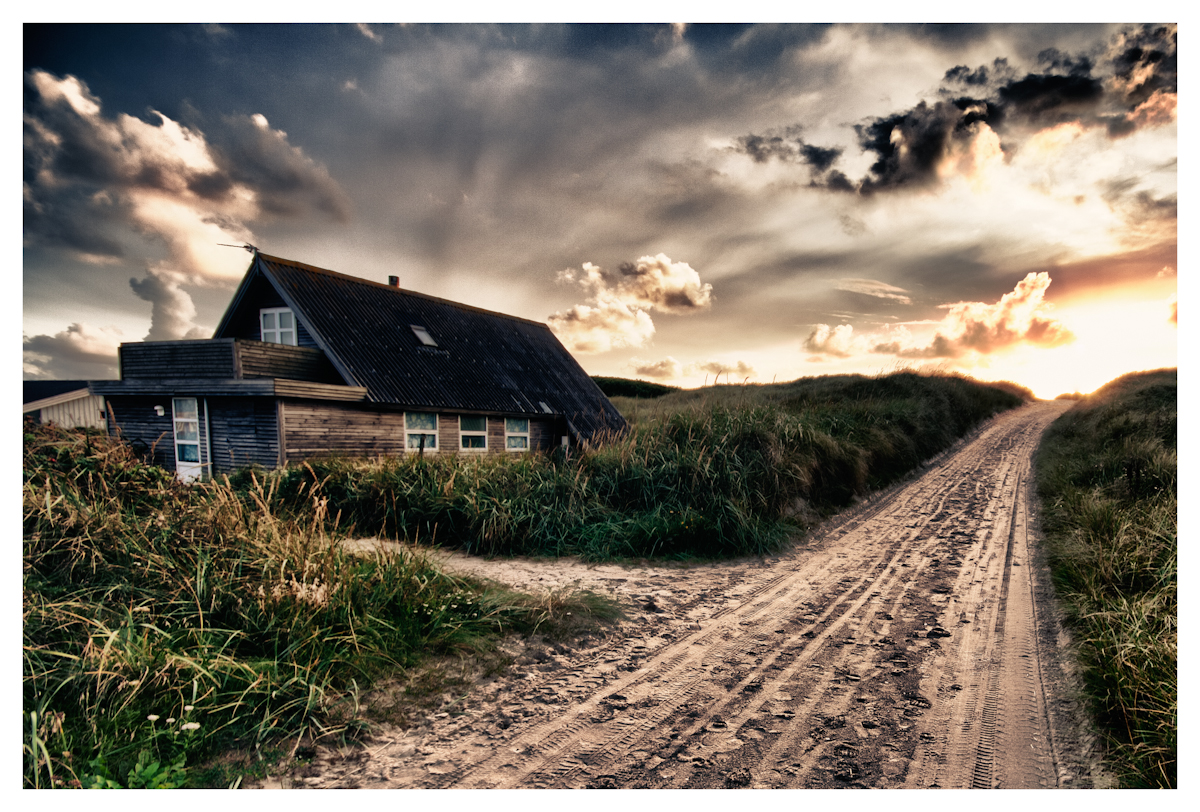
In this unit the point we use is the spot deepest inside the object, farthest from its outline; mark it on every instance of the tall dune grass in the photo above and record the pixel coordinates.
(724, 471)
(1107, 473)
(163, 622)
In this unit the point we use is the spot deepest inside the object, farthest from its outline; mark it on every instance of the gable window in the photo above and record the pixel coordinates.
(516, 434)
(423, 334)
(420, 431)
(472, 432)
(278, 325)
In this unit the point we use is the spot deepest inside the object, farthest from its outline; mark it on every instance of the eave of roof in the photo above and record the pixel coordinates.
(55, 400)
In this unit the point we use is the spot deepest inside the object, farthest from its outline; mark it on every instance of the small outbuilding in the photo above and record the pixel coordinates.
(308, 362)
(65, 403)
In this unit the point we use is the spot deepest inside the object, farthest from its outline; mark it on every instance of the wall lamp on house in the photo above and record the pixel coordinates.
(160, 411)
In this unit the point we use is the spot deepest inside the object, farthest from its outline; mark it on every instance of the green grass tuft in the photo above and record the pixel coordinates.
(1107, 474)
(165, 623)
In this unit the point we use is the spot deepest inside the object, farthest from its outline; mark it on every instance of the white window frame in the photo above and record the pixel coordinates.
(464, 433)
(511, 434)
(276, 334)
(412, 434)
(185, 420)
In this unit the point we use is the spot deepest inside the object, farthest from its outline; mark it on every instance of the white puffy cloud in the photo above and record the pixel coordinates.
(839, 341)
(617, 311)
(1019, 317)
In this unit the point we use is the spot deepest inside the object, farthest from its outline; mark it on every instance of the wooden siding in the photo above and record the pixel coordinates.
(82, 412)
(333, 429)
(151, 436)
(259, 360)
(244, 432)
(448, 433)
(212, 387)
(177, 359)
(312, 429)
(224, 359)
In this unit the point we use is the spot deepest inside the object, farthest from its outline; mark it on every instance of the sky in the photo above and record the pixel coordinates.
(685, 204)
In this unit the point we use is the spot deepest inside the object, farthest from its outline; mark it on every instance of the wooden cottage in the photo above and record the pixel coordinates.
(308, 362)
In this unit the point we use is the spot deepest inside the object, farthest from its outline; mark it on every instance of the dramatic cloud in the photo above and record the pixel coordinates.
(838, 341)
(89, 178)
(1020, 317)
(665, 370)
(788, 148)
(920, 147)
(617, 312)
(79, 352)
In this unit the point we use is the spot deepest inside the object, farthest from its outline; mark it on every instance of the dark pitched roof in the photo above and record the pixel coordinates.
(40, 390)
(483, 361)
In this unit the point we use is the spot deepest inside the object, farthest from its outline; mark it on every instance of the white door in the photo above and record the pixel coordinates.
(187, 438)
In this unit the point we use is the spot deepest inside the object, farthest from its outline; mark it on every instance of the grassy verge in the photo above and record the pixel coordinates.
(719, 472)
(1107, 474)
(167, 624)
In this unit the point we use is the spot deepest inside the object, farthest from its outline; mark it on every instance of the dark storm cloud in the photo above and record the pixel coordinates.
(1132, 88)
(286, 181)
(762, 148)
(1051, 98)
(788, 148)
(913, 144)
(80, 166)
(75, 353)
(981, 76)
(1147, 62)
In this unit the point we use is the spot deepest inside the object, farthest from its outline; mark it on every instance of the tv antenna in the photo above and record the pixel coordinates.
(251, 248)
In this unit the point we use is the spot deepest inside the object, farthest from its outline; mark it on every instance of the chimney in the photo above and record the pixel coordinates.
(394, 281)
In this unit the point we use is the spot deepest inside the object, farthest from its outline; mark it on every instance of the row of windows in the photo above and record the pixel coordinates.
(420, 428)
(420, 432)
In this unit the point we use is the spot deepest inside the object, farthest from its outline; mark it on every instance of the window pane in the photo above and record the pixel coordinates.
(185, 407)
(516, 424)
(474, 441)
(414, 440)
(268, 321)
(285, 320)
(420, 421)
(287, 337)
(187, 430)
(472, 423)
(517, 443)
(188, 452)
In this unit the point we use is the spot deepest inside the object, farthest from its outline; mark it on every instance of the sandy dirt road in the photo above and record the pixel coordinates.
(911, 642)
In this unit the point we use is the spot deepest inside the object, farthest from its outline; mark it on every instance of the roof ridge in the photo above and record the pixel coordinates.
(361, 280)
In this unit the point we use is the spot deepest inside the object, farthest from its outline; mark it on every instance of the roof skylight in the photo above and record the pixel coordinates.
(424, 335)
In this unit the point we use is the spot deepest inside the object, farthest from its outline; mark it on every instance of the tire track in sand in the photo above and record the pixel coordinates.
(897, 648)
